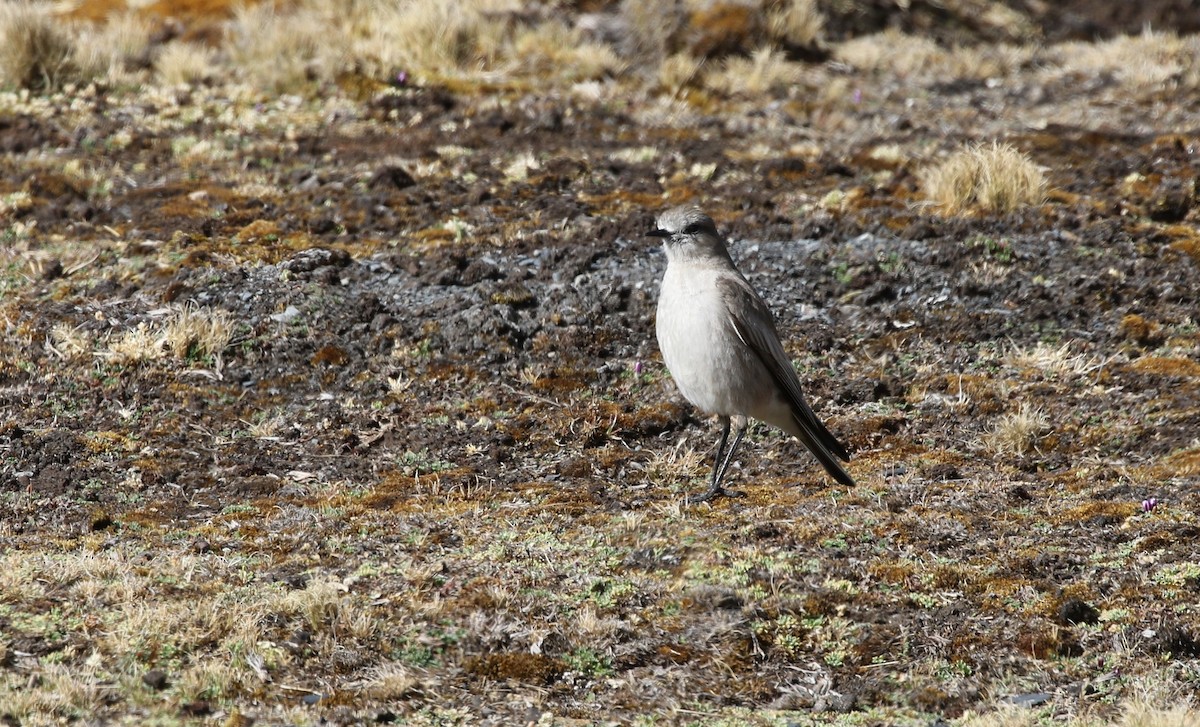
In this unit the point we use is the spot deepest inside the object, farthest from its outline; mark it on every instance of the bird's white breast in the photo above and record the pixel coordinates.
(703, 352)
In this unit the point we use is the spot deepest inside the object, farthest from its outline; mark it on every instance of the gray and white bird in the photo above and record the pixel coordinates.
(720, 344)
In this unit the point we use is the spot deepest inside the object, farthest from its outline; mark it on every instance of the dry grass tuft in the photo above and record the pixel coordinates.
(891, 51)
(996, 178)
(432, 38)
(194, 331)
(984, 61)
(1018, 433)
(1141, 714)
(135, 345)
(1007, 716)
(114, 49)
(1052, 360)
(554, 50)
(647, 27)
(181, 63)
(1136, 713)
(766, 71)
(674, 465)
(68, 342)
(392, 681)
(278, 50)
(318, 603)
(35, 51)
(678, 71)
(1148, 63)
(798, 22)
(188, 332)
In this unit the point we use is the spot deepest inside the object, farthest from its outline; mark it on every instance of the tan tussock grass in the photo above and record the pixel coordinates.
(317, 603)
(648, 26)
(13, 202)
(668, 466)
(284, 51)
(1052, 360)
(62, 690)
(678, 71)
(983, 61)
(798, 22)
(67, 341)
(891, 51)
(1134, 713)
(181, 63)
(35, 50)
(555, 50)
(1143, 714)
(1004, 717)
(995, 177)
(198, 331)
(1149, 62)
(1018, 433)
(392, 681)
(111, 50)
(920, 58)
(189, 331)
(767, 70)
(433, 38)
(267, 428)
(134, 345)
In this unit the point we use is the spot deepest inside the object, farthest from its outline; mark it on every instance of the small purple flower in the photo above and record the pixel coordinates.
(1149, 504)
(401, 78)
(857, 96)
(637, 368)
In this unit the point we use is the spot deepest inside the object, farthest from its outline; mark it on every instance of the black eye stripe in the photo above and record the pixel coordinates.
(692, 228)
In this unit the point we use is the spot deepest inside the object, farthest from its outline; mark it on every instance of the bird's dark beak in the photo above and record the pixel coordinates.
(658, 233)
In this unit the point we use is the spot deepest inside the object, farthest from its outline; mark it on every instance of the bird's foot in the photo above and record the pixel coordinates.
(712, 494)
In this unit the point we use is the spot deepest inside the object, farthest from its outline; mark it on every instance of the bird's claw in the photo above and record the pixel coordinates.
(714, 493)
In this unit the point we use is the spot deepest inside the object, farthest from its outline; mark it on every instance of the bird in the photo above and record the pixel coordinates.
(720, 344)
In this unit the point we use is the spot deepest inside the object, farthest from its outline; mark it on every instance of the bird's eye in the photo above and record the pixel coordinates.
(692, 228)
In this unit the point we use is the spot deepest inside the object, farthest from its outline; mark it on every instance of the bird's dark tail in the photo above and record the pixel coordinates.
(821, 442)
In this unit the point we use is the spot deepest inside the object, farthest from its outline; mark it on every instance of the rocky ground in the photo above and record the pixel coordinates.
(346, 405)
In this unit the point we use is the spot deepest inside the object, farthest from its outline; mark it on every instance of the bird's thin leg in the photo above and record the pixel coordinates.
(721, 463)
(718, 462)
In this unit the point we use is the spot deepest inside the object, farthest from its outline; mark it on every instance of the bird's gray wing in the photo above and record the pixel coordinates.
(756, 327)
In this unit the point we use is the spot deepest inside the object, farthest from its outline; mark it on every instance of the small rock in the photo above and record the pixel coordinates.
(299, 640)
(942, 472)
(288, 314)
(1018, 493)
(1033, 699)
(553, 645)
(392, 176)
(330, 356)
(198, 708)
(1178, 643)
(100, 521)
(156, 679)
(237, 719)
(201, 546)
(1075, 611)
(309, 260)
(715, 598)
(52, 270)
(575, 467)
(1170, 202)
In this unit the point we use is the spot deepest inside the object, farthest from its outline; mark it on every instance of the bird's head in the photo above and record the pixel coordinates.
(687, 232)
